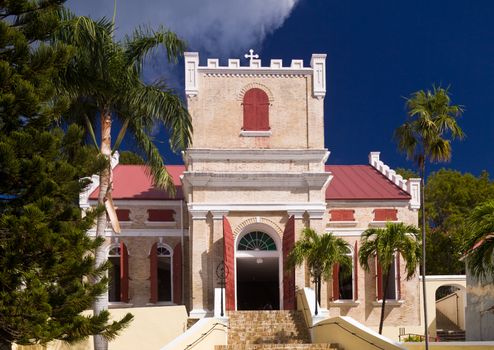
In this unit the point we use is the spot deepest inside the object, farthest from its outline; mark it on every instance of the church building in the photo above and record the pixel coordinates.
(256, 174)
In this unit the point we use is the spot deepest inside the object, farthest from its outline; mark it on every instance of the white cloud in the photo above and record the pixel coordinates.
(218, 28)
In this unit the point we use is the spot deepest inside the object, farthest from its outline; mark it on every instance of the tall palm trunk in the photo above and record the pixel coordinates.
(383, 304)
(319, 290)
(101, 301)
(422, 207)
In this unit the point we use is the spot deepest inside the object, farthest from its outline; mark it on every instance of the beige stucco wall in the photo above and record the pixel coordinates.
(479, 311)
(452, 307)
(217, 112)
(350, 335)
(151, 328)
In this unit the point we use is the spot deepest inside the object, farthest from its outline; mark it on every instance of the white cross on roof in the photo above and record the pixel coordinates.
(251, 55)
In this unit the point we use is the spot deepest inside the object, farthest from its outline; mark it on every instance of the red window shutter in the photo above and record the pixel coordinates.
(256, 110)
(166, 215)
(177, 274)
(153, 264)
(379, 280)
(385, 214)
(336, 281)
(229, 256)
(123, 214)
(342, 215)
(398, 276)
(355, 271)
(288, 274)
(124, 273)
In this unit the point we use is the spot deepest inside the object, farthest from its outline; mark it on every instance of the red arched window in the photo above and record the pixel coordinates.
(256, 110)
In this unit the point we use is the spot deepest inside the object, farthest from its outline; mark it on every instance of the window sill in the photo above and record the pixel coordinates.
(254, 133)
(342, 223)
(382, 223)
(389, 302)
(119, 305)
(161, 223)
(344, 303)
(162, 303)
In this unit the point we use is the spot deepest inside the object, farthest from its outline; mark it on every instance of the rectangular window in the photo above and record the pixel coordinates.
(342, 215)
(164, 215)
(123, 214)
(385, 214)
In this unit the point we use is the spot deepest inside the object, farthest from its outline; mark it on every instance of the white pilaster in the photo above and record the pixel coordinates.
(318, 64)
(191, 65)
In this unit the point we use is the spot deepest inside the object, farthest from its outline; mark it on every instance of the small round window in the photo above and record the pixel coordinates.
(256, 241)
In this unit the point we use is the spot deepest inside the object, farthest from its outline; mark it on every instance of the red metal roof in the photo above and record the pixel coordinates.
(133, 182)
(350, 182)
(361, 182)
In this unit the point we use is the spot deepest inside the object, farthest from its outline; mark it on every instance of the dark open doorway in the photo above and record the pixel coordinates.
(258, 283)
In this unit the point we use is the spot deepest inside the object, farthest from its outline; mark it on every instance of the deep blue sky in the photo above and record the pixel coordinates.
(378, 53)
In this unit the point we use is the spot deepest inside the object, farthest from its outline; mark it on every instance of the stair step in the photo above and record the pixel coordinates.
(267, 330)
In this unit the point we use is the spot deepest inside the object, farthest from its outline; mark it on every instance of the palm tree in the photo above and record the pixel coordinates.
(480, 244)
(425, 136)
(104, 81)
(320, 252)
(386, 244)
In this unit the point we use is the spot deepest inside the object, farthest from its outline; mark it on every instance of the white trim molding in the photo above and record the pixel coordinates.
(412, 186)
(255, 133)
(288, 155)
(142, 232)
(315, 210)
(257, 179)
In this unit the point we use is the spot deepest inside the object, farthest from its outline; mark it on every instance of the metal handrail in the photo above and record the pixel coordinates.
(203, 335)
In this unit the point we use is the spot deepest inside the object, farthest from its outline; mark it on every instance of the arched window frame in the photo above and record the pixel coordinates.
(175, 269)
(267, 240)
(255, 120)
(353, 253)
(119, 250)
(396, 278)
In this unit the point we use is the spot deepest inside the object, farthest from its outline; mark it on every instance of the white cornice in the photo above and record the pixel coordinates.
(165, 203)
(442, 278)
(311, 208)
(201, 154)
(360, 203)
(142, 232)
(256, 179)
(248, 71)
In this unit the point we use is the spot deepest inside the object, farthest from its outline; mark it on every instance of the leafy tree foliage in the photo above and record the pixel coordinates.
(450, 197)
(45, 267)
(104, 82)
(407, 173)
(480, 244)
(128, 157)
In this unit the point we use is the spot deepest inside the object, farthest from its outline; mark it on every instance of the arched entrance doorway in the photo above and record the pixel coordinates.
(257, 271)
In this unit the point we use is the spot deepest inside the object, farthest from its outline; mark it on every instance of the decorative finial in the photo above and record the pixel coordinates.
(251, 55)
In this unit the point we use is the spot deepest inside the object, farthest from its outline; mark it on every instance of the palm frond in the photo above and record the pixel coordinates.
(161, 177)
(166, 108)
(143, 41)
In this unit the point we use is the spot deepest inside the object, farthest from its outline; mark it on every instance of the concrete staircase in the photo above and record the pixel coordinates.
(274, 330)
